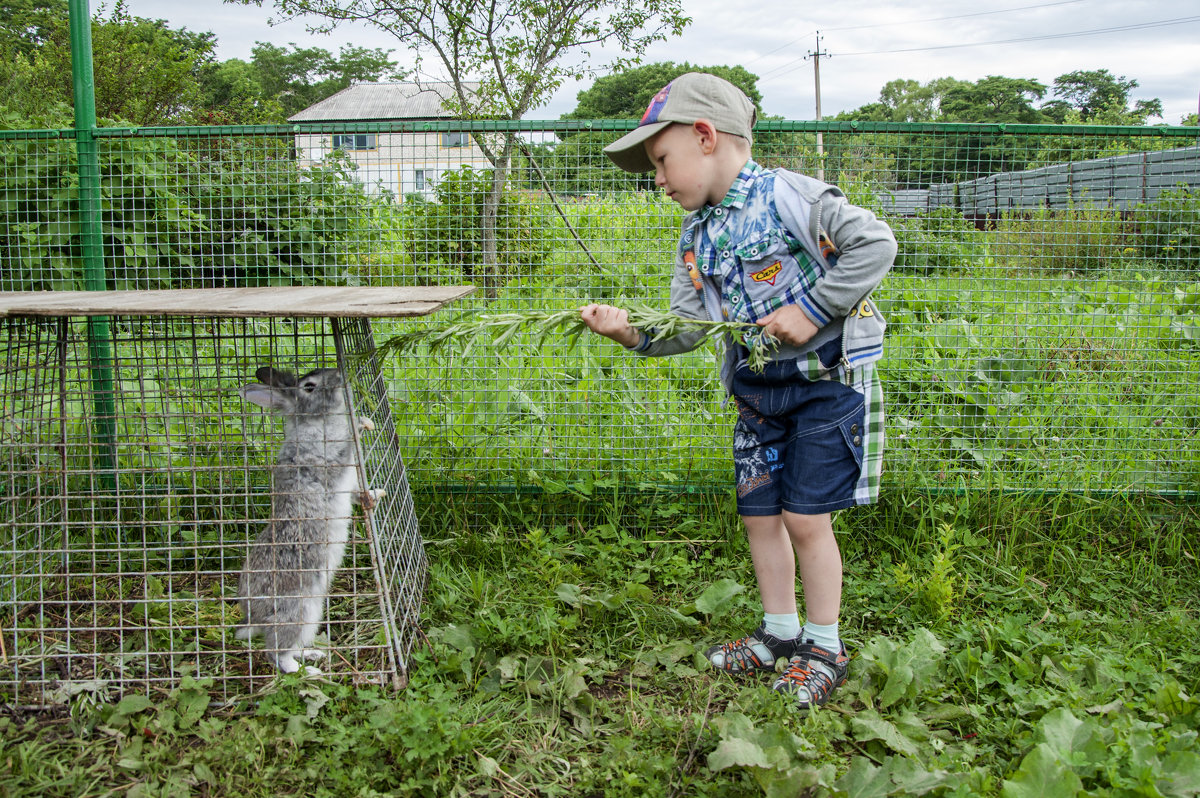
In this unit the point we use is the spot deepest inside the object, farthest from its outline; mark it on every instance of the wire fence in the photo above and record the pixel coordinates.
(1044, 310)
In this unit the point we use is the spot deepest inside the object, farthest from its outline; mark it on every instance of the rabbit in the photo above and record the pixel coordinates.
(291, 563)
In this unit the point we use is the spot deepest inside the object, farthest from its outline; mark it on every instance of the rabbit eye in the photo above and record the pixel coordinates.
(309, 387)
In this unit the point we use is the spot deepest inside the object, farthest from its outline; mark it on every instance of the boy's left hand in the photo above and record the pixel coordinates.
(789, 325)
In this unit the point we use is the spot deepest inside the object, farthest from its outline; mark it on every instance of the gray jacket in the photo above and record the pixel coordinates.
(865, 249)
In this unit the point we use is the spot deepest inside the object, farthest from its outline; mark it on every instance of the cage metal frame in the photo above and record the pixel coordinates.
(70, 503)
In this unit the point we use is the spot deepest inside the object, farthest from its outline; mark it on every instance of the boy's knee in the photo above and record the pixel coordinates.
(805, 529)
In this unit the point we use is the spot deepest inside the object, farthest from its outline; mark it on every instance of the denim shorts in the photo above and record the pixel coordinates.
(799, 444)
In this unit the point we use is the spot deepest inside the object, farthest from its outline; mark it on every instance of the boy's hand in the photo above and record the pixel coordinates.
(789, 325)
(611, 322)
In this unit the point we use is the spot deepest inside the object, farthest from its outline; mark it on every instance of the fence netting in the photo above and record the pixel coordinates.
(1044, 309)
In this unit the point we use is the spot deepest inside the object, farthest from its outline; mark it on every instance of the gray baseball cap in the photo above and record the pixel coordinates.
(691, 96)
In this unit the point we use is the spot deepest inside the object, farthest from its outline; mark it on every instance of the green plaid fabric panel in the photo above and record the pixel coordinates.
(865, 380)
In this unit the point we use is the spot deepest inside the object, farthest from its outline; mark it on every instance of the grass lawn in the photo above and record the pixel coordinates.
(1002, 645)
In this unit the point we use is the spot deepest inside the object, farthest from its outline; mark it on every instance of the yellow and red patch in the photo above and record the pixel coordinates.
(768, 274)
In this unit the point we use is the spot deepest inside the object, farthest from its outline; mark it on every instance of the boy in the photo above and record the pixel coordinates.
(790, 254)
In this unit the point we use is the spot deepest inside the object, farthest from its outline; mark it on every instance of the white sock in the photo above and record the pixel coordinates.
(825, 636)
(785, 626)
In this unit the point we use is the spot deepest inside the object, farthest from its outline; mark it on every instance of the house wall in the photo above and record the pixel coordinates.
(399, 163)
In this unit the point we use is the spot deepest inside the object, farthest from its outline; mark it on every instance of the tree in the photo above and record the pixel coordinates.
(906, 100)
(578, 164)
(278, 82)
(516, 49)
(1098, 97)
(231, 93)
(145, 72)
(625, 94)
(299, 77)
(994, 99)
(27, 24)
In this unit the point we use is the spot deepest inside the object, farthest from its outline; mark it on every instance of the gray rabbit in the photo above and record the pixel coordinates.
(314, 482)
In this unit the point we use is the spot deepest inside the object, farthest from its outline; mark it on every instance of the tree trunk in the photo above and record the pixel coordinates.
(492, 278)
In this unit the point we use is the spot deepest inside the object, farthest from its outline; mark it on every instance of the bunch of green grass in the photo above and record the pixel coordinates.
(503, 327)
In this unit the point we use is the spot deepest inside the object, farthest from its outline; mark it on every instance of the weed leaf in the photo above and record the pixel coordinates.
(1073, 740)
(867, 725)
(1180, 774)
(133, 704)
(735, 751)
(715, 600)
(1042, 774)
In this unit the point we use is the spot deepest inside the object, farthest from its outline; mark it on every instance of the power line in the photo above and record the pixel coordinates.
(1044, 37)
(956, 16)
(913, 22)
(791, 65)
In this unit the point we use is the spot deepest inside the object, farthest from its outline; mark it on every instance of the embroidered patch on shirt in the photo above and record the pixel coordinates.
(768, 274)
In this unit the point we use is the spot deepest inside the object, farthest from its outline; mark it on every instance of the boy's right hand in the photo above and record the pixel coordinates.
(611, 322)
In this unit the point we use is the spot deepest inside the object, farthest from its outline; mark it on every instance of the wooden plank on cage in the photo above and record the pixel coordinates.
(271, 301)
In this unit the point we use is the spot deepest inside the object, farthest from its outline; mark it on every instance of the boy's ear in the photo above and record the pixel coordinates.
(706, 135)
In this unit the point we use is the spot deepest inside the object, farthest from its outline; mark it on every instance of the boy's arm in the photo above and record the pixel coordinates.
(613, 322)
(866, 246)
(866, 250)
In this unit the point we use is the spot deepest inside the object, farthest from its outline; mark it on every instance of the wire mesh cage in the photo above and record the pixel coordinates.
(136, 484)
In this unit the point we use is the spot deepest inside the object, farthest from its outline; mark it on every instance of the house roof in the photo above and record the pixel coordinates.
(383, 101)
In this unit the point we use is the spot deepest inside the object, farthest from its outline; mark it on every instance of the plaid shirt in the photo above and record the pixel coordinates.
(743, 246)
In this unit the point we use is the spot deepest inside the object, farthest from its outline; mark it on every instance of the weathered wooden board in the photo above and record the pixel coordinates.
(273, 301)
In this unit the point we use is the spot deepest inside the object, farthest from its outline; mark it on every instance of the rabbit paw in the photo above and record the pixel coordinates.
(365, 423)
(369, 498)
(312, 654)
(287, 664)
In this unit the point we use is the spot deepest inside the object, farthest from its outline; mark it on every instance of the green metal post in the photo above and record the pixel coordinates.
(99, 337)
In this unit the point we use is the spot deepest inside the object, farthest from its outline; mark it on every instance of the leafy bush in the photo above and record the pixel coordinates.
(266, 220)
(938, 240)
(175, 213)
(1169, 229)
(448, 230)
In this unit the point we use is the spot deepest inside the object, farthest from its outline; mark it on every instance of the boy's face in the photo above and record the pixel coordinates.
(684, 167)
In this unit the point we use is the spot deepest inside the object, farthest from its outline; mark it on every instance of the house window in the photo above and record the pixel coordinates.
(456, 139)
(419, 180)
(354, 141)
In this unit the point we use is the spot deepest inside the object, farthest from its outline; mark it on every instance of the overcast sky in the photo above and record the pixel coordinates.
(868, 42)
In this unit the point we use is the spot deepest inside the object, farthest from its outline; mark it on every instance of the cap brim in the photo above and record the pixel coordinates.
(629, 151)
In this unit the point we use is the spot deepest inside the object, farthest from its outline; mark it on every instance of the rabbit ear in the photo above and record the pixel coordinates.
(267, 396)
(273, 376)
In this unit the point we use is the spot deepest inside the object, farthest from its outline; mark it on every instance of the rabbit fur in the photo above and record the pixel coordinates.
(290, 565)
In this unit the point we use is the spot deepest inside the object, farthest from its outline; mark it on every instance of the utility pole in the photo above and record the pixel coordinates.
(816, 57)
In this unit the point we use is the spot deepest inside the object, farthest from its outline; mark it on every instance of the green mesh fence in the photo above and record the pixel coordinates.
(1044, 309)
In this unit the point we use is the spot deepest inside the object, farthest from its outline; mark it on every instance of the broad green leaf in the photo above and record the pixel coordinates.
(717, 598)
(737, 751)
(458, 637)
(898, 681)
(191, 703)
(1073, 740)
(1180, 774)
(865, 780)
(133, 704)
(1041, 775)
(867, 725)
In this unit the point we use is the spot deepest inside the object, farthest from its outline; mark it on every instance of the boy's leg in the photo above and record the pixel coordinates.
(820, 664)
(775, 569)
(774, 562)
(820, 565)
